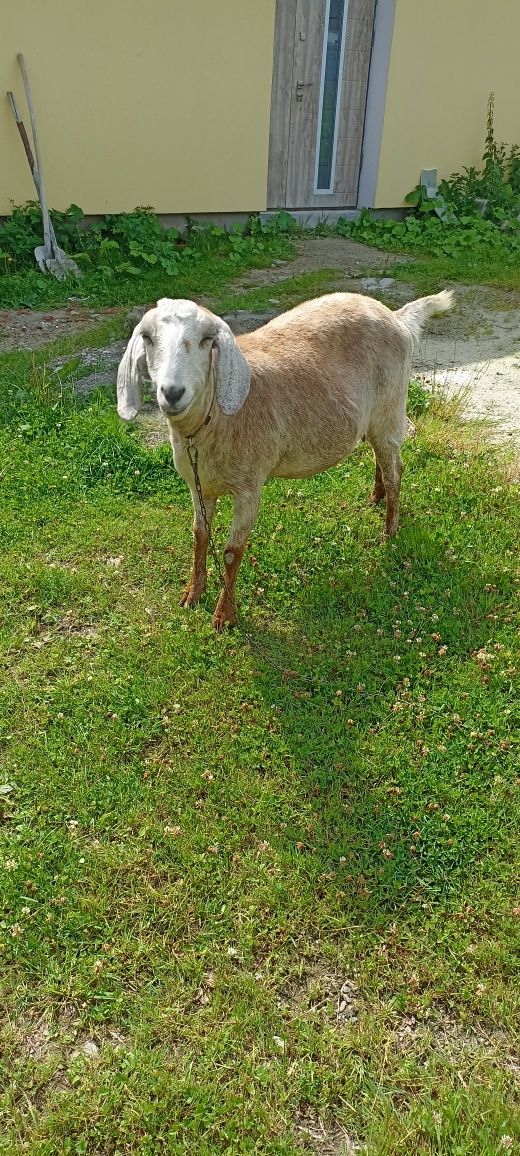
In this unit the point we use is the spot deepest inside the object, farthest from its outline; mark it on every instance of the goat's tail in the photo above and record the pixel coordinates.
(414, 315)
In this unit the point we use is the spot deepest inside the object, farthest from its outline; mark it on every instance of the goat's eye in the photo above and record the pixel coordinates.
(147, 339)
(206, 341)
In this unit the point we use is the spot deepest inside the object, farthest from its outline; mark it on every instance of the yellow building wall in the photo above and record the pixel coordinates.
(163, 103)
(446, 57)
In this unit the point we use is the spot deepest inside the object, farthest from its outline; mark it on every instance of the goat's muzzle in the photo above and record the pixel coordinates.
(172, 397)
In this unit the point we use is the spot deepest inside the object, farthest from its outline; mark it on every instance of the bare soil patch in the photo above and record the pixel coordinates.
(457, 1042)
(475, 352)
(325, 1137)
(33, 328)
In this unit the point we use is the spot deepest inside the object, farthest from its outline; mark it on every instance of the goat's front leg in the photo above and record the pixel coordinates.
(197, 583)
(244, 518)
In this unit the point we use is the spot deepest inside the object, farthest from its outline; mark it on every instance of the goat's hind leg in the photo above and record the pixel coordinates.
(378, 492)
(392, 472)
(197, 583)
(386, 445)
(386, 434)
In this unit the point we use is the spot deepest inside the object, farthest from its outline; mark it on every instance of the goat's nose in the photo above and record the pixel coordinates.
(172, 395)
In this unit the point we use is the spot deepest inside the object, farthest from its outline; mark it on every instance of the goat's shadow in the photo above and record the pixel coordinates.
(333, 680)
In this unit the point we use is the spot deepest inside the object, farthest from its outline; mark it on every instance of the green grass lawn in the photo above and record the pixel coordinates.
(434, 253)
(242, 908)
(430, 273)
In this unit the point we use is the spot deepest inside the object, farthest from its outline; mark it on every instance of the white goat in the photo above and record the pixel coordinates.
(289, 400)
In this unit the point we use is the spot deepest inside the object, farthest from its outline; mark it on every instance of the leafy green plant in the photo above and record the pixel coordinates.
(20, 233)
(470, 230)
(128, 256)
(493, 191)
(282, 222)
(125, 242)
(419, 399)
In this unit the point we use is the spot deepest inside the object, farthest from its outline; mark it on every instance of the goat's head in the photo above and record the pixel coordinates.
(183, 348)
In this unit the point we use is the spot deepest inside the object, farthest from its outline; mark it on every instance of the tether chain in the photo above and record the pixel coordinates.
(193, 455)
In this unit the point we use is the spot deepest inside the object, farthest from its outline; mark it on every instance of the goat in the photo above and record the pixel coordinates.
(289, 400)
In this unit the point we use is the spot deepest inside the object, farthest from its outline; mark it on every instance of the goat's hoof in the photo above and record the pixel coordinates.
(376, 496)
(220, 622)
(224, 616)
(191, 596)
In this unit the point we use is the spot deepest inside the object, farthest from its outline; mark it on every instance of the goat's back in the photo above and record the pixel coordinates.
(337, 332)
(317, 373)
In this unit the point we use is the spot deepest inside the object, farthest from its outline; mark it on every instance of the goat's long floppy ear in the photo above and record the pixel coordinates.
(130, 376)
(232, 371)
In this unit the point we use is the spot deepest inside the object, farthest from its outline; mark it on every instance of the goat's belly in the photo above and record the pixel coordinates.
(306, 461)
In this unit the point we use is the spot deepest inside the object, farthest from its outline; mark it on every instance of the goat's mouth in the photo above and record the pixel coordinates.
(172, 401)
(172, 410)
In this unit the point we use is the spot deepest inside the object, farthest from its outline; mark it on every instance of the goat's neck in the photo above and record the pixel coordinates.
(196, 422)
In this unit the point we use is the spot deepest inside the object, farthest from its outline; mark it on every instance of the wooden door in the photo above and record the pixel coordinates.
(320, 77)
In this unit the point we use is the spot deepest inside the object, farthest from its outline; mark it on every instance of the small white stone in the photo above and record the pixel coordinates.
(89, 1048)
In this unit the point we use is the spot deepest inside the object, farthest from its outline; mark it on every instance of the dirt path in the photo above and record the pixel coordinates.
(474, 351)
(351, 260)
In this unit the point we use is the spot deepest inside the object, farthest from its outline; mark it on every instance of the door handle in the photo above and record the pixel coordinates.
(301, 85)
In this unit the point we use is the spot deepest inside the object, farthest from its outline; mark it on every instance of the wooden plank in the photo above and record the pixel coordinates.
(360, 23)
(326, 201)
(281, 93)
(308, 47)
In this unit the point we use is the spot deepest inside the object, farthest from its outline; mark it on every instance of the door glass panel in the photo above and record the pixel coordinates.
(331, 82)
